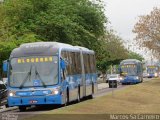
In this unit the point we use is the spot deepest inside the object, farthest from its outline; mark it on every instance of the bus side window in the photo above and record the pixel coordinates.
(76, 63)
(94, 63)
(64, 64)
(89, 63)
(70, 63)
(138, 68)
(79, 68)
(85, 63)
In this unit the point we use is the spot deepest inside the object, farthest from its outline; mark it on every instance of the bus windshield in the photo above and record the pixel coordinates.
(151, 70)
(33, 71)
(129, 69)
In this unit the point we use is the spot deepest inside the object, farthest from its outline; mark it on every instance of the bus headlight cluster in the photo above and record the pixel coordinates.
(137, 77)
(11, 93)
(121, 78)
(156, 74)
(55, 91)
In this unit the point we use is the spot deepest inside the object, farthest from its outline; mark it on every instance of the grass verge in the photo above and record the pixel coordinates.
(141, 98)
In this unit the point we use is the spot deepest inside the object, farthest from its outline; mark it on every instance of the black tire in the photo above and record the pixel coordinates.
(22, 108)
(67, 98)
(141, 80)
(6, 105)
(90, 97)
(78, 96)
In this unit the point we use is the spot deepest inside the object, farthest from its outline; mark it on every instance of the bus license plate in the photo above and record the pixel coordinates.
(33, 101)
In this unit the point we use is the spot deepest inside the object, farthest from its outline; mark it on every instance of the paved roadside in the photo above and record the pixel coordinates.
(4, 109)
(103, 86)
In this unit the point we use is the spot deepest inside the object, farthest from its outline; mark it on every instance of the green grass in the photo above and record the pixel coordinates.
(141, 98)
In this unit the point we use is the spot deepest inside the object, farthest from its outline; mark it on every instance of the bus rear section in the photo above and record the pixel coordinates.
(131, 71)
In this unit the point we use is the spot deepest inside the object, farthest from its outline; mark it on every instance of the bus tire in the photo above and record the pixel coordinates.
(67, 98)
(22, 108)
(6, 105)
(78, 95)
(91, 96)
(141, 80)
(92, 88)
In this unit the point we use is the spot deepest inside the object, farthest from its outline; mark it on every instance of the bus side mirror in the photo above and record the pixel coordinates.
(5, 66)
(119, 69)
(63, 64)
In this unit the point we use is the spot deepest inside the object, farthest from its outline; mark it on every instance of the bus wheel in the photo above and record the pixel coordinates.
(67, 98)
(22, 108)
(141, 80)
(90, 96)
(6, 105)
(78, 96)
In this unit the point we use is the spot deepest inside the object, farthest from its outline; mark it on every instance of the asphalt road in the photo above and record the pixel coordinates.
(103, 89)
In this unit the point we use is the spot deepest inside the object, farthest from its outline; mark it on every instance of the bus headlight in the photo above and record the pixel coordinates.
(55, 91)
(11, 93)
(137, 77)
(155, 74)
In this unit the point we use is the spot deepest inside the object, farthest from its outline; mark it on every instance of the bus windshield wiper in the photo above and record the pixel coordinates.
(37, 74)
(25, 79)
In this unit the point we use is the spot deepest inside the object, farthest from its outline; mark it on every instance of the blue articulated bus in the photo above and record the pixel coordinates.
(152, 71)
(131, 70)
(44, 73)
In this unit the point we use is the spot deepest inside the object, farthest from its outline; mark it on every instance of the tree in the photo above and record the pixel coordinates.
(147, 30)
(7, 47)
(133, 55)
(77, 22)
(112, 51)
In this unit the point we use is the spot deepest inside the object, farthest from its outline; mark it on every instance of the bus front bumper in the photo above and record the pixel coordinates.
(151, 75)
(35, 100)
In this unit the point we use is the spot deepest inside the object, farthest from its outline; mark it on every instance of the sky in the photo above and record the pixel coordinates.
(124, 14)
